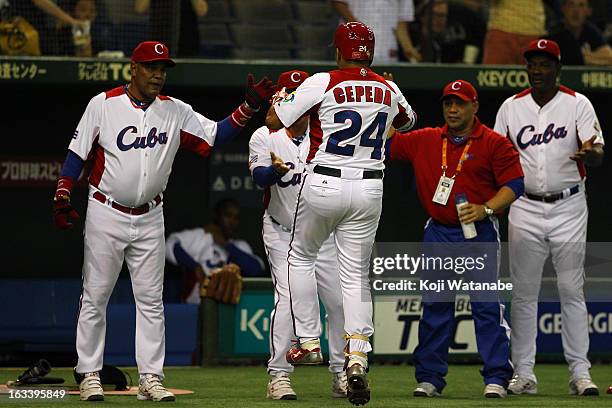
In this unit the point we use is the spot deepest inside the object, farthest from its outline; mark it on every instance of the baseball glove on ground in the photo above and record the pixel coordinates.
(224, 285)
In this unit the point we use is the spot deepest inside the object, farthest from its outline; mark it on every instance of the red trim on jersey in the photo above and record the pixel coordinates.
(164, 97)
(562, 88)
(524, 92)
(194, 143)
(581, 167)
(354, 74)
(266, 198)
(97, 159)
(401, 118)
(118, 91)
(316, 133)
(567, 90)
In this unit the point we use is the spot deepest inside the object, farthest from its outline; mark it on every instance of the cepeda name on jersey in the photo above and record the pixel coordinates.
(360, 93)
(525, 138)
(125, 143)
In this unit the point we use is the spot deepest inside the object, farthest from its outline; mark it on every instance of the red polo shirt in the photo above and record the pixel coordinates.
(492, 162)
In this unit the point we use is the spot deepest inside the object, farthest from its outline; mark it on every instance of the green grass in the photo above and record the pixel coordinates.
(391, 387)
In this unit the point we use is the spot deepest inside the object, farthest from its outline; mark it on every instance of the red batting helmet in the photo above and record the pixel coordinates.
(355, 41)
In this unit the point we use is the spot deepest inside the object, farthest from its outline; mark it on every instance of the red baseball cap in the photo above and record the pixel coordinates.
(542, 46)
(152, 51)
(290, 80)
(462, 89)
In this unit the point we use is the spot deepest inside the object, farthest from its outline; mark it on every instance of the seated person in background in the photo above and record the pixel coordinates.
(390, 21)
(36, 13)
(512, 25)
(581, 42)
(79, 45)
(457, 33)
(201, 250)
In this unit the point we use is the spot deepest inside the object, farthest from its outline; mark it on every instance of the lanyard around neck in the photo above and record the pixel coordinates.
(461, 160)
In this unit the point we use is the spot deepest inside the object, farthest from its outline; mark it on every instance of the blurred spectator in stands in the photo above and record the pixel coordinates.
(581, 42)
(78, 42)
(201, 250)
(389, 19)
(175, 22)
(456, 33)
(36, 11)
(512, 25)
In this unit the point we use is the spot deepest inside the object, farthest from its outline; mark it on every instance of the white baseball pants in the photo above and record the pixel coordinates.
(537, 229)
(110, 237)
(276, 240)
(349, 206)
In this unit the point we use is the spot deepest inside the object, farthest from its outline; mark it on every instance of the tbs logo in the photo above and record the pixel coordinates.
(139, 142)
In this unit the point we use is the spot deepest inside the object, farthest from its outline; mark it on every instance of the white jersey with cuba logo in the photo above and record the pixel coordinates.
(132, 149)
(547, 136)
(280, 198)
(351, 111)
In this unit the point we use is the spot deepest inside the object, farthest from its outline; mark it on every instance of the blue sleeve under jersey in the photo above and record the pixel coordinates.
(73, 165)
(183, 258)
(249, 265)
(265, 176)
(226, 131)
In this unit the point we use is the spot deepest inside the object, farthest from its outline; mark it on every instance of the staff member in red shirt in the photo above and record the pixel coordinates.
(463, 156)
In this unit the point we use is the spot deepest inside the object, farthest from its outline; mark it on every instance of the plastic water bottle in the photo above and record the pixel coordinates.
(81, 35)
(469, 229)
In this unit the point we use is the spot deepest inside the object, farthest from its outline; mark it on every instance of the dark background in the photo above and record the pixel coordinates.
(39, 121)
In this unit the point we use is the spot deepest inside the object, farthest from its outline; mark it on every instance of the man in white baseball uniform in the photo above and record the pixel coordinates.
(556, 132)
(350, 111)
(131, 135)
(276, 161)
(202, 251)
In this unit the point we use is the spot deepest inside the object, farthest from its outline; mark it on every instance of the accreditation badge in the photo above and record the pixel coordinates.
(443, 191)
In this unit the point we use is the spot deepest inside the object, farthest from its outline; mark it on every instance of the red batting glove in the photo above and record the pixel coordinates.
(258, 93)
(63, 212)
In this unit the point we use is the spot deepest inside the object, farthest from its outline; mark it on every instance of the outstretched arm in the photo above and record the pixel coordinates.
(257, 94)
(54, 10)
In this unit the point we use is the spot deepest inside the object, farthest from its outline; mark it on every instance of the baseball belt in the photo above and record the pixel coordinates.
(330, 171)
(551, 198)
(286, 229)
(143, 209)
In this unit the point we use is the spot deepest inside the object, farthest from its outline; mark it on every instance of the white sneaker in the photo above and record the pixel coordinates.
(494, 391)
(151, 388)
(521, 385)
(583, 386)
(91, 388)
(426, 389)
(339, 385)
(279, 388)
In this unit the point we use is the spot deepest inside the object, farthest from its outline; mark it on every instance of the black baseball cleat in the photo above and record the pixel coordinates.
(358, 390)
